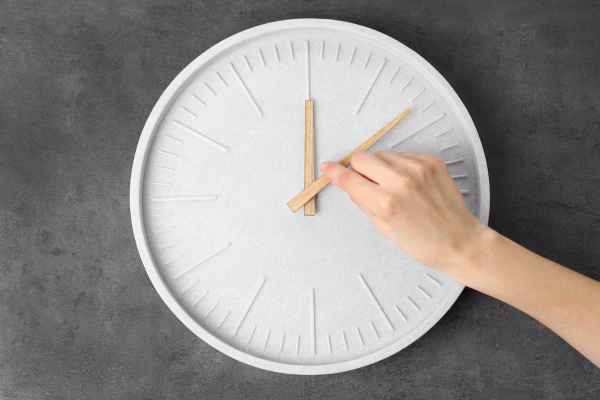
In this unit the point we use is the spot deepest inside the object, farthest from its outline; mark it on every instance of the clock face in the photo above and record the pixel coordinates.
(223, 151)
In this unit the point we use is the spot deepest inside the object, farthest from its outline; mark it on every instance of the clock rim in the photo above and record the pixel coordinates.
(137, 177)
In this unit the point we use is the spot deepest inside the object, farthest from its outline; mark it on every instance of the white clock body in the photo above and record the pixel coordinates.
(223, 151)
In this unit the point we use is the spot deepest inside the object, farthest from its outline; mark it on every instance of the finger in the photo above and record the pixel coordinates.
(374, 168)
(362, 191)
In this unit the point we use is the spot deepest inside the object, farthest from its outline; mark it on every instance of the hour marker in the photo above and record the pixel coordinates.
(166, 168)
(262, 57)
(368, 60)
(424, 292)
(370, 88)
(420, 129)
(433, 279)
(213, 308)
(353, 55)
(338, 51)
(445, 131)
(395, 74)
(413, 303)
(202, 136)
(210, 89)
(412, 100)
(223, 81)
(292, 54)
(267, 340)
(207, 197)
(375, 330)
(246, 90)
(451, 162)
(174, 138)
(360, 336)
(298, 346)
(313, 320)
(189, 111)
(450, 146)
(203, 261)
(428, 106)
(308, 69)
(250, 305)
(345, 340)
(248, 63)
(322, 49)
(407, 83)
(282, 342)
(199, 99)
(251, 336)
(460, 176)
(401, 313)
(199, 299)
(224, 319)
(376, 301)
(465, 191)
(276, 52)
(160, 183)
(329, 343)
(169, 153)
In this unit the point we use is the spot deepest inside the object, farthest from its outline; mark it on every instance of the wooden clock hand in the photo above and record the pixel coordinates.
(311, 191)
(309, 154)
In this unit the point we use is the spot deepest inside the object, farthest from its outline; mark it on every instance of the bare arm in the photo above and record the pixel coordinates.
(414, 202)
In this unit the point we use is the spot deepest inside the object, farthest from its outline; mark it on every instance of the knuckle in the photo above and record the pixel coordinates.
(344, 177)
(388, 205)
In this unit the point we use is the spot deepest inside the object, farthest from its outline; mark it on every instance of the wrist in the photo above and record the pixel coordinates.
(467, 258)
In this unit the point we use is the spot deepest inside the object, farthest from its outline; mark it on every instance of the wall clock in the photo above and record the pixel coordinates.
(223, 151)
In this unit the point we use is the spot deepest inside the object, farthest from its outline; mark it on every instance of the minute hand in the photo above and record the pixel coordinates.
(311, 191)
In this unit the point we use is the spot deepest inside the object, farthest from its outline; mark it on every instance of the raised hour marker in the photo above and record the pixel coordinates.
(210, 89)
(251, 335)
(262, 57)
(199, 99)
(189, 111)
(308, 69)
(322, 49)
(267, 340)
(199, 299)
(207, 197)
(213, 308)
(407, 83)
(161, 183)
(203, 261)
(428, 106)
(452, 162)
(444, 132)
(420, 129)
(169, 153)
(282, 342)
(345, 338)
(374, 327)
(170, 169)
(292, 53)
(224, 319)
(248, 63)
(395, 74)
(276, 49)
(413, 303)
(203, 136)
(465, 191)
(353, 55)
(376, 301)
(433, 279)
(250, 305)
(223, 81)
(360, 336)
(298, 346)
(450, 146)
(401, 313)
(412, 100)
(368, 60)
(338, 51)
(174, 138)
(424, 292)
(329, 343)
(246, 90)
(370, 88)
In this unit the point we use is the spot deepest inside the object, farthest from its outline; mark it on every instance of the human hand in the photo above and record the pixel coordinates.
(413, 201)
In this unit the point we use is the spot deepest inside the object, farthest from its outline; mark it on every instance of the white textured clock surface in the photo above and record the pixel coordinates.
(222, 153)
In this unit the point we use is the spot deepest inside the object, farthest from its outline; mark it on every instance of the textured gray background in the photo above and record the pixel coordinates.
(78, 316)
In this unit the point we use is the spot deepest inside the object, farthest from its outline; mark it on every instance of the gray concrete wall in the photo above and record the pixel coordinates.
(78, 316)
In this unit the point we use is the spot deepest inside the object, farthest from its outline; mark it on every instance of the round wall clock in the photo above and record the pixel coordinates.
(222, 152)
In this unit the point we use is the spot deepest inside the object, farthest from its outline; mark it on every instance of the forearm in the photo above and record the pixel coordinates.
(566, 302)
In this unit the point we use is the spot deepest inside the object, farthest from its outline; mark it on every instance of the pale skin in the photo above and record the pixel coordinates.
(414, 202)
